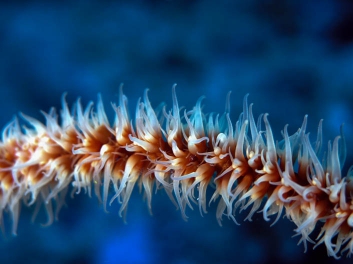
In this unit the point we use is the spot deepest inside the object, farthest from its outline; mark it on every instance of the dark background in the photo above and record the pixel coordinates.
(293, 57)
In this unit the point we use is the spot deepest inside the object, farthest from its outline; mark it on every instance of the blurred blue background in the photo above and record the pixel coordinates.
(293, 57)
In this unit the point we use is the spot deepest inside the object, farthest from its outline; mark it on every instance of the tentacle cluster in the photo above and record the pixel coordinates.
(184, 153)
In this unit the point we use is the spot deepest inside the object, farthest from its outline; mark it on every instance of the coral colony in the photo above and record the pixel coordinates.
(183, 152)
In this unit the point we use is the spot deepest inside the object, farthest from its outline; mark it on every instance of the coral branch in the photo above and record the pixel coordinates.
(182, 155)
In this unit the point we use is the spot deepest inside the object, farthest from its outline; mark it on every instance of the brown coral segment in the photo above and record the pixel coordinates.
(183, 155)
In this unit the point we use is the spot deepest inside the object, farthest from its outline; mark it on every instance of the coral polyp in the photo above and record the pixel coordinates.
(186, 153)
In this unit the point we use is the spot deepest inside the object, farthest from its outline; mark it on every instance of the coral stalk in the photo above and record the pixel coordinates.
(182, 152)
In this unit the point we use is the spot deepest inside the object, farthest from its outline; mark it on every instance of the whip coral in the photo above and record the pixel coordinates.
(185, 153)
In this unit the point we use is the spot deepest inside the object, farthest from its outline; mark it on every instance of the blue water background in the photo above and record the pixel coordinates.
(292, 57)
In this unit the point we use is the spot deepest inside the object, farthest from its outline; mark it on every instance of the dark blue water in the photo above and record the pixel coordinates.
(294, 58)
